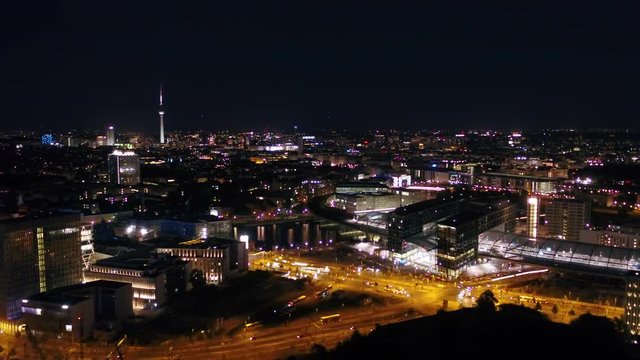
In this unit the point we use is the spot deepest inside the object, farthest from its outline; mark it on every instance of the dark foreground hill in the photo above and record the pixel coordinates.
(511, 332)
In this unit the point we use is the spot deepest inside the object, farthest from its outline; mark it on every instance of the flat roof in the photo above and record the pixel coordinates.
(475, 210)
(141, 260)
(363, 194)
(189, 218)
(462, 218)
(362, 184)
(174, 242)
(57, 298)
(47, 215)
(566, 200)
(105, 284)
(424, 205)
(527, 177)
(563, 253)
(128, 263)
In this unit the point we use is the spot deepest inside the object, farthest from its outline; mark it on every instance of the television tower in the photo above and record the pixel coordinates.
(161, 113)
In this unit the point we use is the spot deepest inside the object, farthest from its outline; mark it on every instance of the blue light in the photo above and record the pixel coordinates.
(433, 165)
(47, 139)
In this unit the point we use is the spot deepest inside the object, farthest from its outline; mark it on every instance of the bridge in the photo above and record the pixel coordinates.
(369, 222)
(561, 254)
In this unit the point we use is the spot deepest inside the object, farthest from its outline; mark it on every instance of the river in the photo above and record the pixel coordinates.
(293, 234)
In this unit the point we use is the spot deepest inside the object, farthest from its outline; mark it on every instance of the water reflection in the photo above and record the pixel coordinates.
(288, 235)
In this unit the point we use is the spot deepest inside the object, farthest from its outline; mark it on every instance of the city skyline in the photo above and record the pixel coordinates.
(276, 244)
(274, 180)
(272, 67)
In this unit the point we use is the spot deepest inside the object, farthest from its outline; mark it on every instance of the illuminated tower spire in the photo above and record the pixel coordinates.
(161, 113)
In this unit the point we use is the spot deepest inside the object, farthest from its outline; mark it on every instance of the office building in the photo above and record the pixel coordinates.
(39, 253)
(86, 244)
(431, 176)
(533, 216)
(79, 309)
(452, 224)
(510, 182)
(414, 219)
(217, 259)
(457, 236)
(370, 202)
(153, 277)
(614, 236)
(124, 168)
(111, 135)
(400, 180)
(566, 217)
(632, 303)
(59, 313)
(101, 140)
(183, 226)
(361, 187)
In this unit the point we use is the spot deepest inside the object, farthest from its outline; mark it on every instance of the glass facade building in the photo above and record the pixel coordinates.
(457, 243)
(38, 254)
(454, 223)
(567, 217)
(632, 303)
(533, 216)
(124, 168)
(412, 219)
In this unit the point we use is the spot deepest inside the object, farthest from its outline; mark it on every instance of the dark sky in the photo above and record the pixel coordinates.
(319, 64)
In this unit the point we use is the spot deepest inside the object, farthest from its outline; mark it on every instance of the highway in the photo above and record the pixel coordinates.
(280, 341)
(427, 295)
(404, 296)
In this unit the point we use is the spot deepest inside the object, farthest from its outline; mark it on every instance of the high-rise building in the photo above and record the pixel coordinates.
(161, 114)
(101, 140)
(632, 303)
(111, 135)
(533, 214)
(457, 236)
(39, 254)
(86, 244)
(532, 184)
(124, 168)
(566, 217)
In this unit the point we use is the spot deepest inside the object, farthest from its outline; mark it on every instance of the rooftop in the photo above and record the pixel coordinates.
(424, 205)
(363, 194)
(69, 295)
(173, 242)
(123, 153)
(58, 298)
(527, 177)
(42, 215)
(181, 217)
(141, 260)
(362, 184)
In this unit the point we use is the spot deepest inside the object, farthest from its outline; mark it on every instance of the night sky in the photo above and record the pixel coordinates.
(319, 64)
